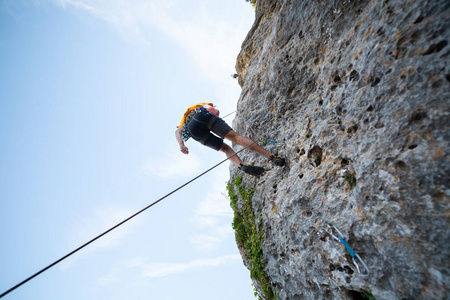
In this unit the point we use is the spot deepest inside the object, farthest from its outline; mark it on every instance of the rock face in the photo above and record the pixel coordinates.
(357, 96)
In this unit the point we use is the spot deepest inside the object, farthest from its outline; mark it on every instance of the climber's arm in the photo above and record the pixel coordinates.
(183, 148)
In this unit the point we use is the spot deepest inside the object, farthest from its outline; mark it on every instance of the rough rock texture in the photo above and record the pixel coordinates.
(359, 92)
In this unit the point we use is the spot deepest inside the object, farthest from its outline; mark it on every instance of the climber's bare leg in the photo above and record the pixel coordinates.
(243, 141)
(229, 152)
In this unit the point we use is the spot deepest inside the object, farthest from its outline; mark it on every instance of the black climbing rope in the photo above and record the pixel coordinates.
(117, 225)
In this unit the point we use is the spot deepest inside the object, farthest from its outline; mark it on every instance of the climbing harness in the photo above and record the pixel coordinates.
(188, 111)
(184, 132)
(350, 250)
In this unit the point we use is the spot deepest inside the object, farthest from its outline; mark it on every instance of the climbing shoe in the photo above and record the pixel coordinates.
(252, 170)
(279, 161)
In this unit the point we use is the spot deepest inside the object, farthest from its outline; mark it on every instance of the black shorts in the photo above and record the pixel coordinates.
(200, 128)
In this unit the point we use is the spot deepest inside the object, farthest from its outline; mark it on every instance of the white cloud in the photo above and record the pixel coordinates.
(172, 164)
(139, 267)
(209, 242)
(165, 269)
(213, 215)
(216, 203)
(209, 33)
(78, 4)
(214, 207)
(208, 36)
(95, 224)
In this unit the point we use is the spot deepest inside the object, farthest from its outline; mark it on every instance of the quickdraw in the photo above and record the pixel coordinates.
(350, 250)
(265, 141)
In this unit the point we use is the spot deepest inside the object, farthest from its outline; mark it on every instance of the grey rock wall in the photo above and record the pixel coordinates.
(357, 94)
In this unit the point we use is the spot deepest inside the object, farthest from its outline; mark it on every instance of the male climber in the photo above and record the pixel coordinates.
(201, 119)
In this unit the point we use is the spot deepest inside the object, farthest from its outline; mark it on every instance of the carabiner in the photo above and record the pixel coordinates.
(265, 141)
(350, 250)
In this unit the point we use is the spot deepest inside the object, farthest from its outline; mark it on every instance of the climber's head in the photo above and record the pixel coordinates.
(212, 110)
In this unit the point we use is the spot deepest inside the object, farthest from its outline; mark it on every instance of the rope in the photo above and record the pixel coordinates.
(117, 225)
(228, 114)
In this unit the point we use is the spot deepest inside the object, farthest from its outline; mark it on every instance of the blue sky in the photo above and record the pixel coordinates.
(90, 94)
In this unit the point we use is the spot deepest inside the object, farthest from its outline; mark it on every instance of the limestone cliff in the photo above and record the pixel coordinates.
(357, 96)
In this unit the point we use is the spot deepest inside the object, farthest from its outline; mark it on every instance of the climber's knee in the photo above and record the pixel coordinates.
(225, 148)
(232, 136)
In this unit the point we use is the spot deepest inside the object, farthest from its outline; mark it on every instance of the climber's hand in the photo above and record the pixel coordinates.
(184, 149)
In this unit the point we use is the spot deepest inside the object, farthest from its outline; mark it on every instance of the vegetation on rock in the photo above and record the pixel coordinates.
(249, 233)
(253, 2)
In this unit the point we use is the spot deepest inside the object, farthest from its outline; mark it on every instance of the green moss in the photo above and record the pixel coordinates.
(367, 295)
(249, 233)
(351, 179)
